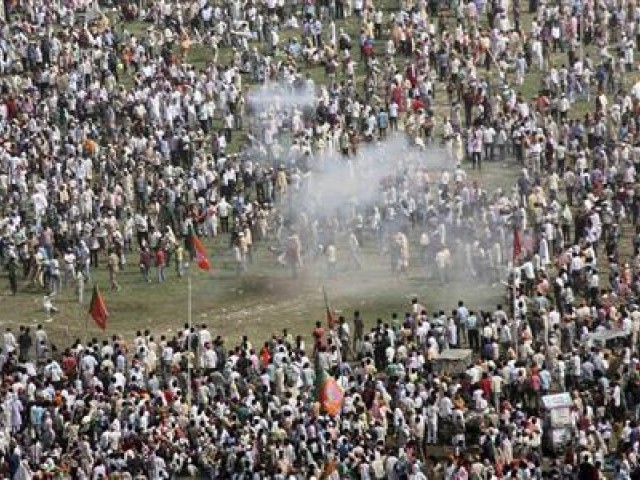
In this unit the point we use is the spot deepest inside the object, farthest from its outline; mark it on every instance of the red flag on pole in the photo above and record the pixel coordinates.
(331, 321)
(201, 254)
(517, 244)
(98, 309)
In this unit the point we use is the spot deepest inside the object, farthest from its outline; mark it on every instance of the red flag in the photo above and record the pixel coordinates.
(331, 321)
(98, 309)
(517, 244)
(201, 254)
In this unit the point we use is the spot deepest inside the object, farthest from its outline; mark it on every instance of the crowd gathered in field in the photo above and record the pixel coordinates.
(130, 133)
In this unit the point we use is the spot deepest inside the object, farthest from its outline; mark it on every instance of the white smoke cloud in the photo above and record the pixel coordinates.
(278, 97)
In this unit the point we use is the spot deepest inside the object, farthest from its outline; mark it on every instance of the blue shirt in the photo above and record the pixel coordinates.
(463, 314)
(383, 119)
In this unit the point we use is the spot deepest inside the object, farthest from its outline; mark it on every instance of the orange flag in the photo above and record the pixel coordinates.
(331, 396)
(202, 258)
(98, 309)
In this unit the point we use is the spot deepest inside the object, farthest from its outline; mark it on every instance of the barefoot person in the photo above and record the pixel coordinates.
(113, 266)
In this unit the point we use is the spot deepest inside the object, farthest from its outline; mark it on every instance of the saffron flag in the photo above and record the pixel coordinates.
(331, 321)
(517, 245)
(330, 394)
(202, 260)
(98, 309)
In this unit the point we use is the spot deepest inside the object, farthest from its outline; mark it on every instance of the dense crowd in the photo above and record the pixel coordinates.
(115, 146)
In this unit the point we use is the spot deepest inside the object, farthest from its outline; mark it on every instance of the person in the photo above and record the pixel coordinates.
(331, 256)
(293, 256)
(443, 263)
(54, 282)
(239, 251)
(80, 283)
(473, 331)
(402, 246)
(12, 272)
(161, 263)
(41, 341)
(178, 257)
(145, 263)
(9, 344)
(354, 251)
(344, 336)
(358, 331)
(247, 240)
(69, 260)
(24, 343)
(318, 337)
(113, 266)
(476, 146)
(224, 210)
(461, 316)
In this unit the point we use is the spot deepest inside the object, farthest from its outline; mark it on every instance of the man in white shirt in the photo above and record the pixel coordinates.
(41, 341)
(446, 407)
(488, 139)
(204, 335)
(528, 273)
(224, 209)
(476, 141)
(9, 341)
(89, 364)
(496, 389)
(432, 423)
(209, 358)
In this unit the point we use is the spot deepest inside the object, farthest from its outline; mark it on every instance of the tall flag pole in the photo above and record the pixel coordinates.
(190, 320)
(517, 251)
(202, 260)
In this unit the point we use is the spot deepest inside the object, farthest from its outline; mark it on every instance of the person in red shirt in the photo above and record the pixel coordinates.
(161, 263)
(69, 365)
(265, 354)
(485, 385)
(318, 337)
(169, 396)
(145, 263)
